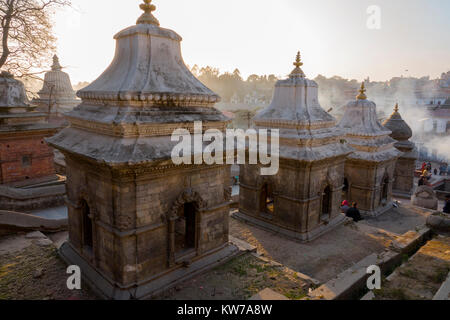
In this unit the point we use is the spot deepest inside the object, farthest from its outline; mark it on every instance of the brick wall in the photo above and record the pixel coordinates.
(25, 159)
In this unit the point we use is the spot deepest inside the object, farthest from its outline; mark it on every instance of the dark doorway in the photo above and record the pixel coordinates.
(385, 190)
(345, 190)
(87, 225)
(185, 229)
(267, 200)
(326, 203)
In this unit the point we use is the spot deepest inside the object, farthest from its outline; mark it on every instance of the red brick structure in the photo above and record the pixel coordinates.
(24, 155)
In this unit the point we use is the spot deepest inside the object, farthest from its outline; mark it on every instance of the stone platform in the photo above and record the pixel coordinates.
(28, 199)
(109, 289)
(302, 237)
(13, 222)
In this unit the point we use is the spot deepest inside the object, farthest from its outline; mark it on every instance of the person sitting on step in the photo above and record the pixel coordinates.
(354, 213)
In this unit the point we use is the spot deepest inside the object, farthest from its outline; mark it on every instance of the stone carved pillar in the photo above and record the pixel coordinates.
(171, 247)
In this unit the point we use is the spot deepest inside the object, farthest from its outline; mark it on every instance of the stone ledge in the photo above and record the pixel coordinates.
(350, 283)
(444, 291)
(297, 236)
(369, 296)
(410, 241)
(242, 245)
(268, 295)
(12, 222)
(107, 289)
(31, 199)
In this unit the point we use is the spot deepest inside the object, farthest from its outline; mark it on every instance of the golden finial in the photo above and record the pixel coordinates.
(298, 61)
(362, 93)
(298, 72)
(147, 17)
(396, 107)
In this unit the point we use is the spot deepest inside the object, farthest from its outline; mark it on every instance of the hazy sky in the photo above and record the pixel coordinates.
(263, 36)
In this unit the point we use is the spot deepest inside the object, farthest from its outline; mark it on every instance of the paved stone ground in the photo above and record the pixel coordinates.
(401, 220)
(240, 279)
(335, 251)
(30, 269)
(421, 277)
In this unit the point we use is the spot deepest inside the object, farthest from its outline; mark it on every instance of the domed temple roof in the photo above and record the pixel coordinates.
(12, 93)
(365, 133)
(56, 90)
(16, 114)
(148, 67)
(57, 83)
(127, 115)
(400, 129)
(307, 132)
(401, 132)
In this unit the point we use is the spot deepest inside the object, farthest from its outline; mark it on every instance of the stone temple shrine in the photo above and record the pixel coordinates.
(138, 223)
(25, 158)
(406, 164)
(57, 95)
(303, 200)
(369, 170)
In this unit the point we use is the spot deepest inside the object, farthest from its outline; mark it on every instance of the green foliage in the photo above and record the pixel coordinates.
(232, 84)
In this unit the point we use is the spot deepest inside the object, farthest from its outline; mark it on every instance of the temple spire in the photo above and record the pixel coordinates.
(56, 65)
(396, 107)
(147, 17)
(362, 93)
(298, 72)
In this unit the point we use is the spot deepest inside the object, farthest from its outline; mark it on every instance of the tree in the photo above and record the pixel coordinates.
(27, 39)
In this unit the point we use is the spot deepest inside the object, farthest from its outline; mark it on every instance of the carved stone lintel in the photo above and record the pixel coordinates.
(188, 196)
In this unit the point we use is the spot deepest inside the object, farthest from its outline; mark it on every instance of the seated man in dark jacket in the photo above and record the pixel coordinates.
(354, 213)
(447, 204)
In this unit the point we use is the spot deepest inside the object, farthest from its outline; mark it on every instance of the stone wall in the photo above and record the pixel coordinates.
(132, 215)
(298, 193)
(404, 176)
(24, 200)
(365, 184)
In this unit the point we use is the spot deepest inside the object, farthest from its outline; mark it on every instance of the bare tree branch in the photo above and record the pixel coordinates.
(26, 34)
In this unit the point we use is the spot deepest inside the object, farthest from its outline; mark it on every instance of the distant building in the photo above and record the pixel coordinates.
(26, 161)
(24, 155)
(57, 95)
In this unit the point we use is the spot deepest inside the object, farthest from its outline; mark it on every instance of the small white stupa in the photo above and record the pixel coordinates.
(57, 95)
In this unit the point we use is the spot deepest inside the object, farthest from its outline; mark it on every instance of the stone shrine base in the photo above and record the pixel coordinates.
(302, 237)
(379, 211)
(108, 289)
(401, 194)
(41, 193)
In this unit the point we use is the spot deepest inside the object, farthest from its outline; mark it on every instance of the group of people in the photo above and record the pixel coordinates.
(444, 169)
(351, 212)
(427, 170)
(425, 176)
